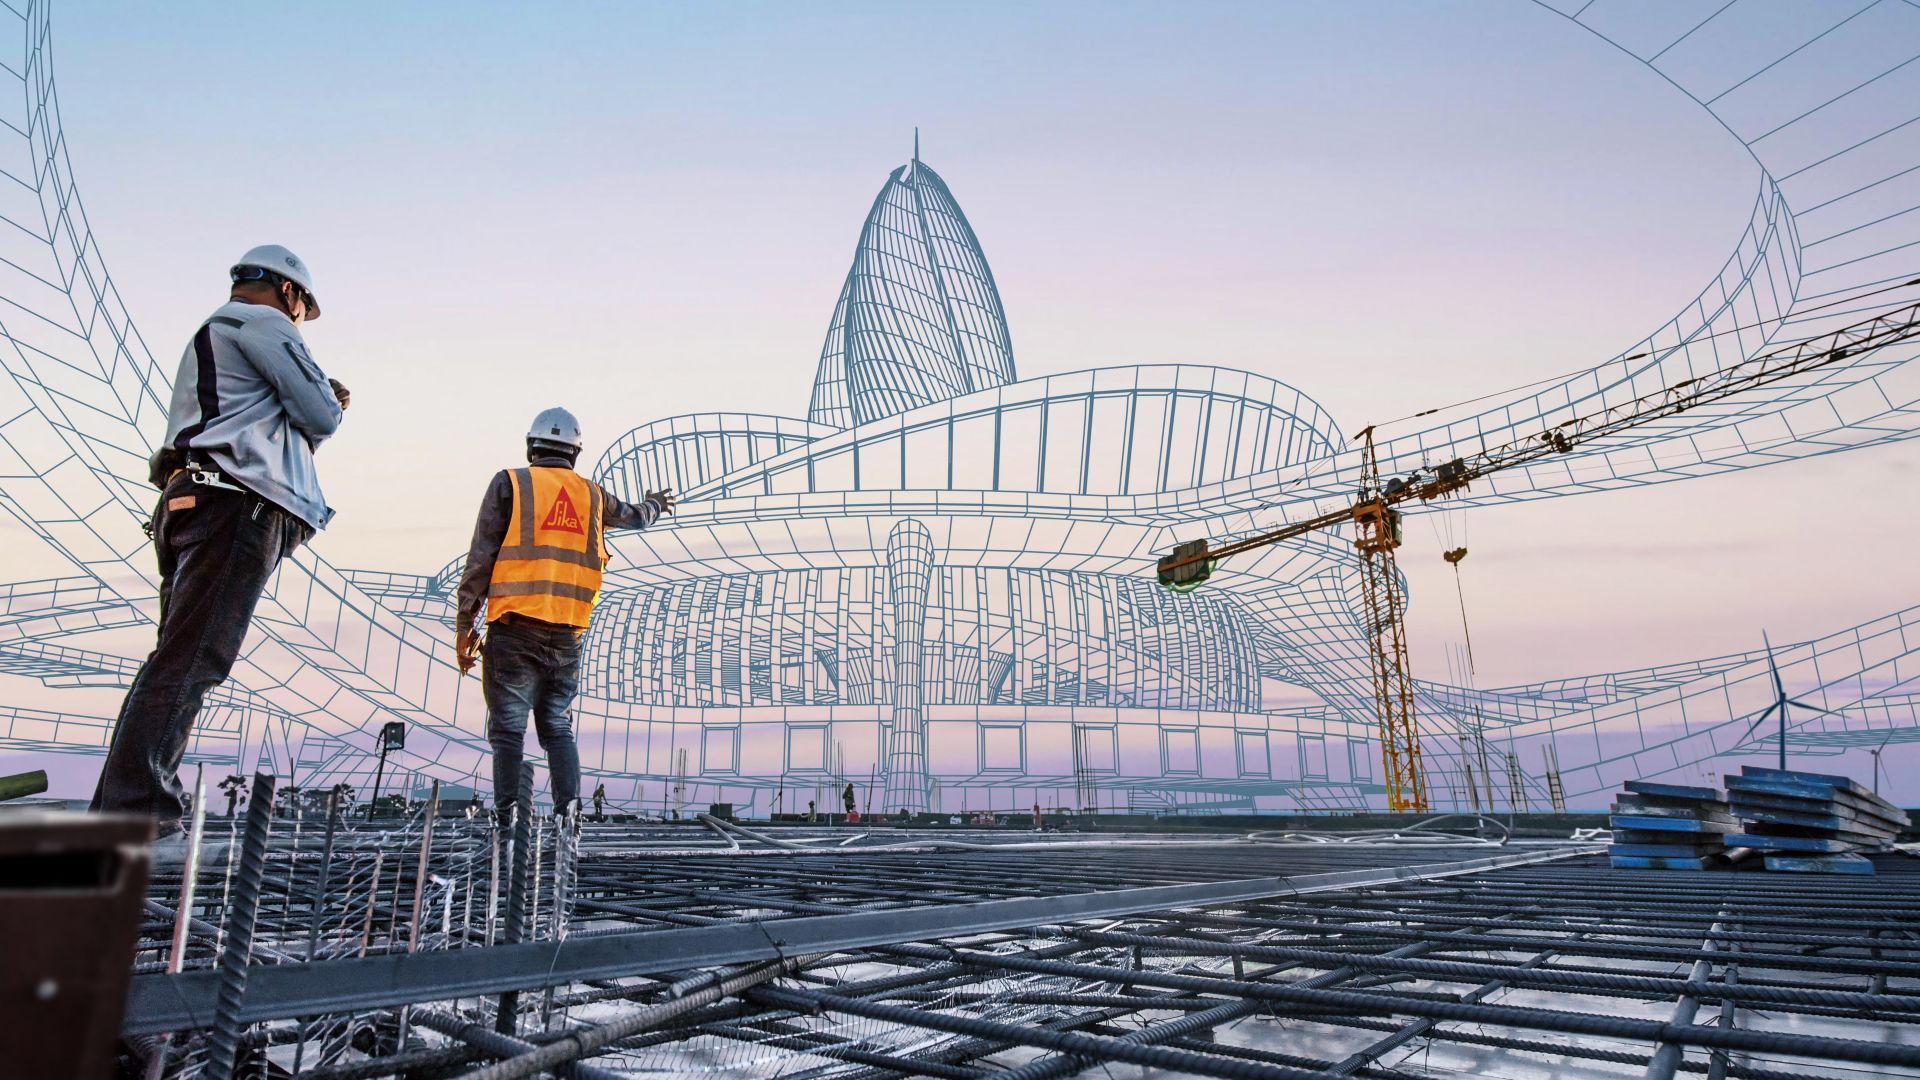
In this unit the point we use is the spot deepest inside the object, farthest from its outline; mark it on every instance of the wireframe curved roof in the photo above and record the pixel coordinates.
(919, 319)
(1824, 101)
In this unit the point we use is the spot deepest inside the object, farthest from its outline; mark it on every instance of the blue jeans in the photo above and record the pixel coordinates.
(217, 550)
(531, 668)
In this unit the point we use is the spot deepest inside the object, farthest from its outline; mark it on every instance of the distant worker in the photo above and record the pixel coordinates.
(847, 798)
(811, 816)
(238, 493)
(600, 802)
(538, 549)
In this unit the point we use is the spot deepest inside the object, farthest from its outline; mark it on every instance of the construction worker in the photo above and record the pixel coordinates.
(538, 550)
(238, 494)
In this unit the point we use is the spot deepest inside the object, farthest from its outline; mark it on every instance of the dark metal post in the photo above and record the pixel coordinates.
(379, 774)
(393, 736)
(224, 1045)
(517, 883)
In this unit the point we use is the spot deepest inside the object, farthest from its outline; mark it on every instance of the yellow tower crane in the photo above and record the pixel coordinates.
(1377, 522)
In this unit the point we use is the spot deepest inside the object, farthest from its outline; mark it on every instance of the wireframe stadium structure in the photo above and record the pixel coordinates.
(939, 584)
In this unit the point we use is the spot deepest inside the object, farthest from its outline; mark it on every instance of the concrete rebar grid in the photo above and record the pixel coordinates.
(1550, 962)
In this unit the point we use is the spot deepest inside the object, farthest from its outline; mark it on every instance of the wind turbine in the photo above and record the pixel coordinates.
(1876, 761)
(1781, 703)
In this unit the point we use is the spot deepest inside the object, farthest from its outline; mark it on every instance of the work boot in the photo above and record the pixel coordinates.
(170, 851)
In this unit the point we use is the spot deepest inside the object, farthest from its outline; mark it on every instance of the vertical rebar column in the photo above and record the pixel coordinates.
(373, 896)
(319, 904)
(493, 878)
(224, 1045)
(566, 851)
(909, 577)
(419, 898)
(517, 882)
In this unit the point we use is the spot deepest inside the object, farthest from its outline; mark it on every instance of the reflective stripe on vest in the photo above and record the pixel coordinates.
(550, 561)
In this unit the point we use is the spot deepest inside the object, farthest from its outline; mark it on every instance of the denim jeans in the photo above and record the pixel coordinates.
(536, 669)
(217, 549)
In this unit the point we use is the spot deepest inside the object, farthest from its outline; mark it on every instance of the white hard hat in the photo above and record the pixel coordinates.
(278, 260)
(556, 426)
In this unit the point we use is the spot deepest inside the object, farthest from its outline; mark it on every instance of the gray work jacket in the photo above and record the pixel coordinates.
(250, 401)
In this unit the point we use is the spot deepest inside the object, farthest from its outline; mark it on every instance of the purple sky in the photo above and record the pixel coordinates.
(644, 210)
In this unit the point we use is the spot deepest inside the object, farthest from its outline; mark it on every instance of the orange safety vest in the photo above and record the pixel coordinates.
(555, 547)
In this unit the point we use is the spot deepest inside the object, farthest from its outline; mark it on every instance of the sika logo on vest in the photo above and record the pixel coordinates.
(564, 516)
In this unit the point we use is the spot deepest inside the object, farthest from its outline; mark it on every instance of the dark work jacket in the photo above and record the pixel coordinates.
(490, 530)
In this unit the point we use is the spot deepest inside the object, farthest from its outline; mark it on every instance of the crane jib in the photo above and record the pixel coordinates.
(1192, 562)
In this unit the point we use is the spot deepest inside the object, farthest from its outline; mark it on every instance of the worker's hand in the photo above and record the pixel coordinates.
(664, 497)
(341, 393)
(466, 648)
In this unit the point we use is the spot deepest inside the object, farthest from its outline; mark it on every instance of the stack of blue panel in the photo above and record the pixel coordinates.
(1810, 822)
(1668, 827)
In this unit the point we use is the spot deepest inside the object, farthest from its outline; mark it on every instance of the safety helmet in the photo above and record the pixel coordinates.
(555, 427)
(282, 263)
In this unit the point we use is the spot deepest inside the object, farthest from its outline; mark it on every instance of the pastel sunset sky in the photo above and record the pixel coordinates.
(644, 210)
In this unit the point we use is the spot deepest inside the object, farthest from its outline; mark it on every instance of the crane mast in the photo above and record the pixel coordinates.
(1377, 522)
(1377, 535)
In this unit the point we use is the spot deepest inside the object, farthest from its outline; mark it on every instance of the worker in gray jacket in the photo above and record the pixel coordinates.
(238, 494)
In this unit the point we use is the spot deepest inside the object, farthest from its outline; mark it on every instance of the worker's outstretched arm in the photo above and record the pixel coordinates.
(489, 531)
(626, 515)
(276, 351)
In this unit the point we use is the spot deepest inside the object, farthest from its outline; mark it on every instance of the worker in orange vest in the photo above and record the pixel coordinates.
(538, 549)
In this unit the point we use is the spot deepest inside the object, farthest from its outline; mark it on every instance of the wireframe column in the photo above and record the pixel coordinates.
(909, 576)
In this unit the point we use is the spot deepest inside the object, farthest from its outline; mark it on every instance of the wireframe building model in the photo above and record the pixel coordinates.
(939, 585)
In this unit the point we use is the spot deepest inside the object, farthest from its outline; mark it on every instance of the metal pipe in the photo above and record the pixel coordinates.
(21, 785)
(493, 1044)
(183, 916)
(686, 996)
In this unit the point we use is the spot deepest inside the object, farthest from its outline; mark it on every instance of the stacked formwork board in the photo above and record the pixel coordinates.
(1668, 827)
(1797, 821)
(1810, 821)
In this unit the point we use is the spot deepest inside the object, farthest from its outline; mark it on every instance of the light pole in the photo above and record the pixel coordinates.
(392, 737)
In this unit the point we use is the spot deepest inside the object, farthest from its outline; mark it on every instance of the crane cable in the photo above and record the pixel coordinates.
(1690, 340)
(1453, 548)
(1454, 557)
